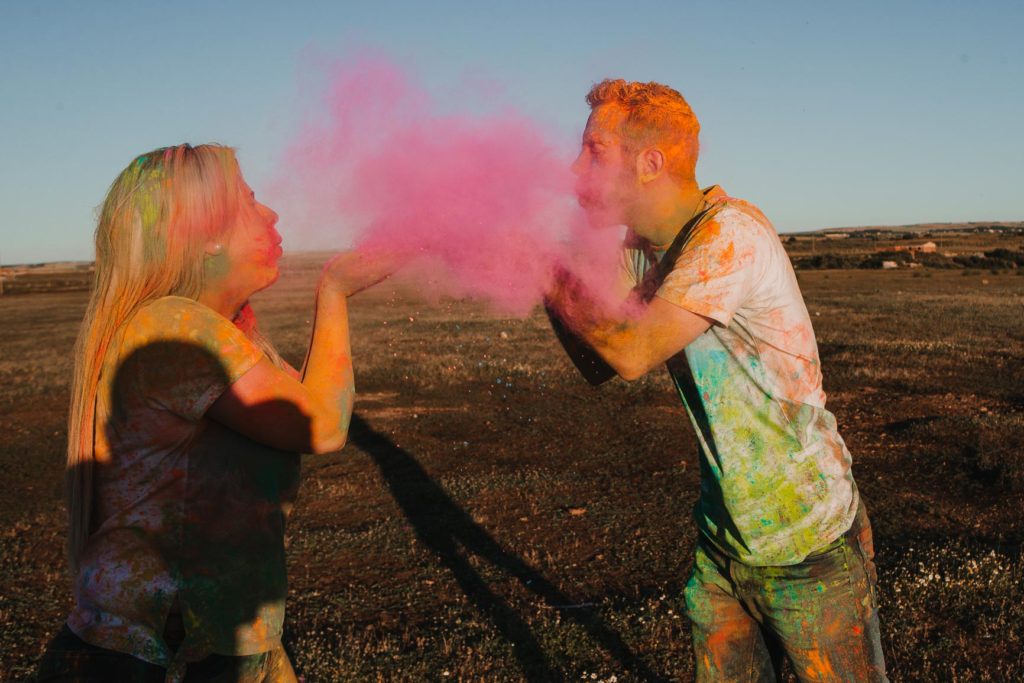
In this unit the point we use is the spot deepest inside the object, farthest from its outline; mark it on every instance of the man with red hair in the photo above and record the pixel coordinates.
(784, 559)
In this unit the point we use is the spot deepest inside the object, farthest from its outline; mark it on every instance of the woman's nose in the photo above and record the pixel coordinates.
(269, 213)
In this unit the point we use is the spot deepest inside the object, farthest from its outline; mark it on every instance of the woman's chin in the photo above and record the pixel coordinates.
(273, 277)
(273, 273)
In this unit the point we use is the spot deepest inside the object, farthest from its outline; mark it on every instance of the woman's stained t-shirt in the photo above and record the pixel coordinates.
(186, 512)
(776, 482)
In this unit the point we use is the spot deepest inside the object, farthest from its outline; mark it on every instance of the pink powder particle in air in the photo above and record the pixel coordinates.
(488, 196)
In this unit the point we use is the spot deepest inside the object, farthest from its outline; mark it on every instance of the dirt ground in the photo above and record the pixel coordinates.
(494, 518)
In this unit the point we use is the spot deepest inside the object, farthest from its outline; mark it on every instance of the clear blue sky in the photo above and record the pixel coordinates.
(823, 113)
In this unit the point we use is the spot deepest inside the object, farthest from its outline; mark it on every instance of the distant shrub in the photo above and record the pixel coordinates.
(990, 445)
(1002, 252)
(875, 260)
(992, 260)
(999, 446)
(936, 260)
(1007, 255)
(1006, 259)
(827, 261)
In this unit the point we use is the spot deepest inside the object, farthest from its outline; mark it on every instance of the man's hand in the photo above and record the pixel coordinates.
(632, 338)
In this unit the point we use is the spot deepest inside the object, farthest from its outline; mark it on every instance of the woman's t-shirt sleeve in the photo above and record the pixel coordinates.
(715, 272)
(186, 355)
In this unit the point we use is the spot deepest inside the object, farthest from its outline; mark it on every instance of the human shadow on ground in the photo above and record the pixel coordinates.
(452, 535)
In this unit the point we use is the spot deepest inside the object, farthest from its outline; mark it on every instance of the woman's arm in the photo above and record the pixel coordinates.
(310, 414)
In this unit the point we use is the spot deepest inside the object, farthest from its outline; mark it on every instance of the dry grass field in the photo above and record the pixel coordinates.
(494, 518)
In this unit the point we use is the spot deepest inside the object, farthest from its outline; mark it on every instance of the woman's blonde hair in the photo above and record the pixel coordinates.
(151, 241)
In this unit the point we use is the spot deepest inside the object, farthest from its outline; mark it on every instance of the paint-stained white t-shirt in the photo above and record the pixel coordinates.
(187, 514)
(776, 482)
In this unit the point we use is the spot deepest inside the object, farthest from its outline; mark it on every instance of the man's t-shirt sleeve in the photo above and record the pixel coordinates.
(627, 274)
(186, 355)
(716, 271)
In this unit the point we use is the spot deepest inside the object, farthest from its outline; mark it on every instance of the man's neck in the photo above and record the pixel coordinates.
(667, 215)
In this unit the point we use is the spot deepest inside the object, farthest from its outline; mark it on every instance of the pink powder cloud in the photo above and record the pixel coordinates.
(487, 196)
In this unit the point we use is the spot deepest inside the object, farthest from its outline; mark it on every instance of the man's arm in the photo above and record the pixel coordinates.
(631, 340)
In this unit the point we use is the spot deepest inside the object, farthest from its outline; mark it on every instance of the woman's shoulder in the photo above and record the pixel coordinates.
(180, 356)
(177, 318)
(183, 350)
(177, 305)
(172, 313)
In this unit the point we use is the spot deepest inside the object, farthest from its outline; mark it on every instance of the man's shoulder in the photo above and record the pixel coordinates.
(726, 208)
(735, 225)
(732, 223)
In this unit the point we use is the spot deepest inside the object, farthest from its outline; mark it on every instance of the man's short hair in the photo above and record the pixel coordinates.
(655, 115)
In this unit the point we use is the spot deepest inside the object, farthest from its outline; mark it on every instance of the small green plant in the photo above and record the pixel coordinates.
(999, 445)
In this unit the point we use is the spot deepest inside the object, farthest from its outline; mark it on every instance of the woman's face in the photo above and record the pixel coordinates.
(251, 247)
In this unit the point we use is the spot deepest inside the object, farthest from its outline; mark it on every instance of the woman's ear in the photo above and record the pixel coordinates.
(214, 248)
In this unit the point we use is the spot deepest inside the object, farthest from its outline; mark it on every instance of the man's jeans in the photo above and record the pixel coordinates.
(821, 614)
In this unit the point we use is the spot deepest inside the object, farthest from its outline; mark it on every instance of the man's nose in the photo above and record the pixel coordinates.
(577, 165)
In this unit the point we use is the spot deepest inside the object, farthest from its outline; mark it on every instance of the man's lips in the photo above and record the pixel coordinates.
(590, 203)
(585, 200)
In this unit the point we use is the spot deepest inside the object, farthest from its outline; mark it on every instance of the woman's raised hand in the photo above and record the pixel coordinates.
(353, 271)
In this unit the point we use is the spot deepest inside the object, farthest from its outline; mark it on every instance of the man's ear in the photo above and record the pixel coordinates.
(649, 164)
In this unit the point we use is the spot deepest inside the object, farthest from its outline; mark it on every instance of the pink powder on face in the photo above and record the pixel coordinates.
(489, 197)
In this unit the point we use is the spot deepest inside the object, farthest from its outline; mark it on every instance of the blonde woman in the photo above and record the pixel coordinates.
(185, 427)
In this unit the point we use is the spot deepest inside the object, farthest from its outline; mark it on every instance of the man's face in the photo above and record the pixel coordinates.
(606, 183)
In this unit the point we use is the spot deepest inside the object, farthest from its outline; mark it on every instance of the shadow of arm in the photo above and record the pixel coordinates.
(589, 363)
